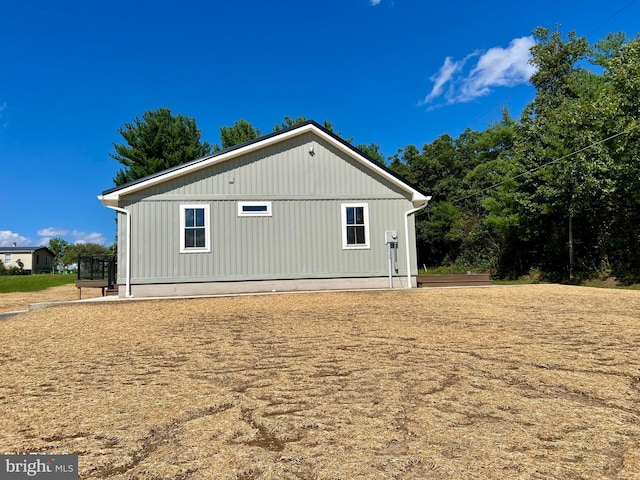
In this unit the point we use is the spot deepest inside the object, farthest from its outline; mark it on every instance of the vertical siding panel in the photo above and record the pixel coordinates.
(165, 258)
(302, 237)
(275, 257)
(309, 241)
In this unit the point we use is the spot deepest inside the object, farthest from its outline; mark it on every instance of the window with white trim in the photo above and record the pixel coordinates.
(195, 229)
(254, 209)
(355, 225)
(7, 258)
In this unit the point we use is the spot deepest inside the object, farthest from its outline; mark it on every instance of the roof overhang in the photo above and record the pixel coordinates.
(112, 197)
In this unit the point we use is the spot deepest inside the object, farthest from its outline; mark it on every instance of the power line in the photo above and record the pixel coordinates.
(540, 167)
(610, 18)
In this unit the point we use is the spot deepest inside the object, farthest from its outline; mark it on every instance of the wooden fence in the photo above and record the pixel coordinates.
(454, 280)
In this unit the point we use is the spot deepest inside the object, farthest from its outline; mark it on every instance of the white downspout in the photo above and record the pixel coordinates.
(128, 263)
(406, 236)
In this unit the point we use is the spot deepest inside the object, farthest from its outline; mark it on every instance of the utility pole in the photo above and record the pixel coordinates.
(570, 244)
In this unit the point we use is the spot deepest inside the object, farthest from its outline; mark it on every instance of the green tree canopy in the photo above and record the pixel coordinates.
(158, 141)
(290, 122)
(58, 246)
(558, 190)
(71, 253)
(240, 132)
(373, 152)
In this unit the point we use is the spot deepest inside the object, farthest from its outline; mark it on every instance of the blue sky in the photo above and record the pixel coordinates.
(394, 72)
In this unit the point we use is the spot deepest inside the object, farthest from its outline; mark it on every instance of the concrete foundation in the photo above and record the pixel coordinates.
(222, 288)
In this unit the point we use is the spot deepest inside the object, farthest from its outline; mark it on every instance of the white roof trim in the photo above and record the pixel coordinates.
(113, 198)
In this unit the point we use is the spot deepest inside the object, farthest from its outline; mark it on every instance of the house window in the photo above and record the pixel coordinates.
(7, 258)
(355, 225)
(194, 228)
(37, 259)
(254, 209)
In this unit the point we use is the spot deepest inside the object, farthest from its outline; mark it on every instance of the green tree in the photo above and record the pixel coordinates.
(619, 104)
(71, 253)
(548, 191)
(58, 246)
(240, 132)
(290, 122)
(373, 152)
(157, 141)
(565, 205)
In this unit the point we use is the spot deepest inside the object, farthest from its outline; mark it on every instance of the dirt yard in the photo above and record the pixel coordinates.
(533, 382)
(14, 302)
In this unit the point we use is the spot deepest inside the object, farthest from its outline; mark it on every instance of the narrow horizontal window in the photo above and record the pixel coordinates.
(254, 209)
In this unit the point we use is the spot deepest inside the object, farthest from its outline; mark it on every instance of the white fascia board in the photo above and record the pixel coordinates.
(417, 198)
(113, 198)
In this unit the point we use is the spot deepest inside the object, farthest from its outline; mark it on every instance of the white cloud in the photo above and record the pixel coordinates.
(375, 2)
(48, 233)
(497, 67)
(8, 238)
(444, 76)
(71, 236)
(88, 237)
(52, 232)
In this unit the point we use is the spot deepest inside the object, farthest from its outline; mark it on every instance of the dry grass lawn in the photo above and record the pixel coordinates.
(14, 302)
(504, 382)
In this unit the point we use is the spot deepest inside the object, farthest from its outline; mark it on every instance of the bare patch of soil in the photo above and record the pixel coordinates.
(508, 382)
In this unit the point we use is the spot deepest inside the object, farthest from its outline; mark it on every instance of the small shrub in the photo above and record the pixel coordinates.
(16, 271)
(535, 276)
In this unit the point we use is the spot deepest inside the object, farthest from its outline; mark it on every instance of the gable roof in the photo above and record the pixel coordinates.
(24, 249)
(111, 197)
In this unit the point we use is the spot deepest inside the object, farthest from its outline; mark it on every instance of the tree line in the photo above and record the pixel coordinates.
(65, 255)
(161, 140)
(556, 191)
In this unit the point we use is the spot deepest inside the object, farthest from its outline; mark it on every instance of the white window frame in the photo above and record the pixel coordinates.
(207, 229)
(7, 258)
(243, 213)
(365, 213)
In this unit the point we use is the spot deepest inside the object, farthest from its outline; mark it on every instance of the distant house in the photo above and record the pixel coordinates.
(28, 259)
(299, 209)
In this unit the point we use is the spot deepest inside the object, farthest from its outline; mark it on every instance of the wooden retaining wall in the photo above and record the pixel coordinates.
(454, 280)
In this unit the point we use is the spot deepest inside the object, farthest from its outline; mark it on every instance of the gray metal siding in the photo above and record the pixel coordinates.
(284, 170)
(302, 238)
